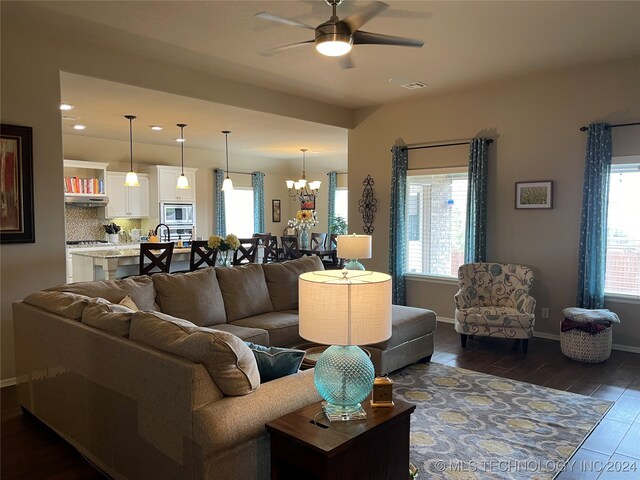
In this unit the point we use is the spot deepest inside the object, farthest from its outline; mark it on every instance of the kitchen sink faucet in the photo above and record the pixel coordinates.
(168, 237)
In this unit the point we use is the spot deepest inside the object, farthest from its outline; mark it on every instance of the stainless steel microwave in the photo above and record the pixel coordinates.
(177, 213)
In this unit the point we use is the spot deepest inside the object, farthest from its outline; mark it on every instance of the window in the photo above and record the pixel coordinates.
(239, 211)
(342, 203)
(623, 231)
(436, 217)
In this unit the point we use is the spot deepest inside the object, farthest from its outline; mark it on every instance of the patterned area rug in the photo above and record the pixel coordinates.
(472, 426)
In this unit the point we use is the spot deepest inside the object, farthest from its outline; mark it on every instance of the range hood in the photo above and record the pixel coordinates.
(86, 201)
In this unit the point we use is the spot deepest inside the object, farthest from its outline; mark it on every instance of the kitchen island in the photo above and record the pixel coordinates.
(89, 265)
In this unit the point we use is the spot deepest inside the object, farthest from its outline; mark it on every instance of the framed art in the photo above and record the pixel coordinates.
(275, 211)
(534, 194)
(309, 203)
(16, 185)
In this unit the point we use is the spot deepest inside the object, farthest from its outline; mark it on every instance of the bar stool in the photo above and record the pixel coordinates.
(159, 256)
(201, 255)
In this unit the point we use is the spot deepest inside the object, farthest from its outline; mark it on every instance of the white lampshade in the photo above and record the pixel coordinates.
(290, 183)
(131, 180)
(302, 182)
(354, 246)
(345, 307)
(183, 182)
(315, 185)
(227, 185)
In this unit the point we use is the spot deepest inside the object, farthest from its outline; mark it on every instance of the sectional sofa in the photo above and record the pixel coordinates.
(172, 390)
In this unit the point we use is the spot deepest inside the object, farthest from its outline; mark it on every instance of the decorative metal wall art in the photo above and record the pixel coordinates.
(367, 205)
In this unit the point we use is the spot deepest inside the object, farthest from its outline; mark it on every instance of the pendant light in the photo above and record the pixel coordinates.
(227, 185)
(183, 183)
(131, 179)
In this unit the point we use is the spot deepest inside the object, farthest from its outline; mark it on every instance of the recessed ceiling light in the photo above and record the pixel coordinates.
(70, 117)
(155, 127)
(79, 127)
(67, 106)
(180, 140)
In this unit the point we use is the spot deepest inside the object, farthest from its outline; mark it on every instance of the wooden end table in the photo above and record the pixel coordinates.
(374, 449)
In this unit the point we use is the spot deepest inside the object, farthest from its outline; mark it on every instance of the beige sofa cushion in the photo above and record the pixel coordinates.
(254, 335)
(228, 360)
(282, 280)
(69, 305)
(140, 288)
(194, 296)
(110, 317)
(408, 323)
(282, 327)
(244, 291)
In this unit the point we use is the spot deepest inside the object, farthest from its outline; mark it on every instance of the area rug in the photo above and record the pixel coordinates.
(473, 426)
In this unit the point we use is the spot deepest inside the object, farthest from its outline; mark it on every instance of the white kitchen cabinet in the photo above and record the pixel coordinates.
(127, 201)
(167, 179)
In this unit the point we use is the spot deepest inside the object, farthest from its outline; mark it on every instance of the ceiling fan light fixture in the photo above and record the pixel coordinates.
(334, 45)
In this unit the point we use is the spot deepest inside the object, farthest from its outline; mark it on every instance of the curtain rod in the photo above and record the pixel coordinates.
(420, 146)
(584, 129)
(239, 173)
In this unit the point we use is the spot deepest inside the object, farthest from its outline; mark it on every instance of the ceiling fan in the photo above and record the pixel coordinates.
(336, 37)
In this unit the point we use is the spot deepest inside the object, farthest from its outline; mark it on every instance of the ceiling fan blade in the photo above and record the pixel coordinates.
(287, 21)
(345, 61)
(282, 48)
(358, 19)
(368, 38)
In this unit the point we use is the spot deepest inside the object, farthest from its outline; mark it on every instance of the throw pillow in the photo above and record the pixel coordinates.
(194, 296)
(275, 362)
(110, 317)
(129, 303)
(228, 360)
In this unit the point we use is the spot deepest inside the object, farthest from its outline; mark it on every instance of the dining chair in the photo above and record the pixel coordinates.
(246, 252)
(270, 253)
(290, 248)
(334, 262)
(317, 241)
(201, 255)
(290, 232)
(159, 257)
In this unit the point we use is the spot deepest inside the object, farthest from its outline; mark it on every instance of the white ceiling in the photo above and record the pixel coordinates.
(466, 43)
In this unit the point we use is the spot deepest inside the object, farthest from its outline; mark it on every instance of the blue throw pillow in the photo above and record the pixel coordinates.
(275, 362)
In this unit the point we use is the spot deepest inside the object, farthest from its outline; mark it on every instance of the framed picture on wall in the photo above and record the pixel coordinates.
(16, 185)
(308, 204)
(534, 194)
(275, 211)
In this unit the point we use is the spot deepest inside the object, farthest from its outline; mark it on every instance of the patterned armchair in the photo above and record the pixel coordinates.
(494, 300)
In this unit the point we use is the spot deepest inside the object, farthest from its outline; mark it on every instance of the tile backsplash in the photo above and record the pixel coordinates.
(83, 223)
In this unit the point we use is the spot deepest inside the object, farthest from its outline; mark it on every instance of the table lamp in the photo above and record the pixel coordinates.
(353, 247)
(344, 309)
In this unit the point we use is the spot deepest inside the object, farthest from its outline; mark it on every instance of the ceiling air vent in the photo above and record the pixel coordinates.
(414, 85)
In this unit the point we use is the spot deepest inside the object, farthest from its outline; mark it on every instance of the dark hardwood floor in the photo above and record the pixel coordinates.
(29, 450)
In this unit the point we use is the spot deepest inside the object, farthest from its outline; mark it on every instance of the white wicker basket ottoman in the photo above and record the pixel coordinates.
(585, 335)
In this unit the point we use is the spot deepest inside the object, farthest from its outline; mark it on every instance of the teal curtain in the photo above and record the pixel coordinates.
(331, 199)
(220, 220)
(397, 228)
(593, 227)
(475, 242)
(257, 182)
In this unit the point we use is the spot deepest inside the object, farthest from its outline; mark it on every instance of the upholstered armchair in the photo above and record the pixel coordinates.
(494, 300)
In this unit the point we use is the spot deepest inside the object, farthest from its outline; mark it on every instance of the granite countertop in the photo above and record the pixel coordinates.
(121, 253)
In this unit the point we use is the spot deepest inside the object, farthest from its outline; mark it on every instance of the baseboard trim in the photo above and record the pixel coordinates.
(553, 336)
(445, 320)
(7, 382)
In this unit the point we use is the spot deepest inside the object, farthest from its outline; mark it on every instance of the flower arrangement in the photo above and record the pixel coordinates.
(304, 219)
(230, 242)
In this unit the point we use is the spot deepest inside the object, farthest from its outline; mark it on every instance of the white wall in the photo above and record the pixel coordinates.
(534, 121)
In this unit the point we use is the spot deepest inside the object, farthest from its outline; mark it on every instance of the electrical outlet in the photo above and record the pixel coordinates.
(545, 313)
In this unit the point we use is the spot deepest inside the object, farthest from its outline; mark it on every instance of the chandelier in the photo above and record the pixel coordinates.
(302, 190)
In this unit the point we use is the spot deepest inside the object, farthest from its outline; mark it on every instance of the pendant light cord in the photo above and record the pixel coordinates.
(226, 148)
(130, 118)
(182, 148)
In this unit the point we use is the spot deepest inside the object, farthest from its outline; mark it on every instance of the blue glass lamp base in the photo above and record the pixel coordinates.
(344, 377)
(354, 264)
